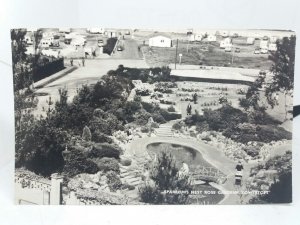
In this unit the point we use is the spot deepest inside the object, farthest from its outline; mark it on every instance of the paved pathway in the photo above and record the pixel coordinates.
(89, 74)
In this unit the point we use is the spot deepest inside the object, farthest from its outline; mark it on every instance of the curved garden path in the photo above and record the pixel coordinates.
(211, 154)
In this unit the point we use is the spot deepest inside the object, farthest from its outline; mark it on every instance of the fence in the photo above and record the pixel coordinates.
(38, 192)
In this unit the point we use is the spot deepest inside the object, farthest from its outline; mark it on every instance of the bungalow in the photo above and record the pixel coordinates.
(273, 39)
(46, 42)
(264, 44)
(160, 41)
(272, 47)
(250, 40)
(211, 37)
(96, 30)
(28, 39)
(227, 42)
(195, 37)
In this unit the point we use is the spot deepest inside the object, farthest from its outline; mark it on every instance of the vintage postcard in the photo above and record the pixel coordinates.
(140, 116)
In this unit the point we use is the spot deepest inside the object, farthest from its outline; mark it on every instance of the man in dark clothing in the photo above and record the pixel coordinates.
(239, 173)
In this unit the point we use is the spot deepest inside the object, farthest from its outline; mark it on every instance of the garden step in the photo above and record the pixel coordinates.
(132, 181)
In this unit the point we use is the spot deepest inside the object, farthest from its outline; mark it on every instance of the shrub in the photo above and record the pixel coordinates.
(141, 118)
(143, 92)
(126, 162)
(150, 107)
(79, 163)
(101, 150)
(157, 117)
(155, 125)
(177, 126)
(169, 116)
(108, 164)
(113, 181)
(252, 151)
(171, 109)
(100, 137)
(145, 130)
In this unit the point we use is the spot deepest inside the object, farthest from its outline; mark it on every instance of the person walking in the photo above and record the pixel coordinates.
(189, 109)
(239, 173)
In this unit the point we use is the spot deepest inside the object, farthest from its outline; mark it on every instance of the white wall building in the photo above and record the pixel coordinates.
(96, 30)
(225, 43)
(211, 37)
(250, 40)
(272, 47)
(160, 41)
(264, 44)
(195, 37)
(46, 42)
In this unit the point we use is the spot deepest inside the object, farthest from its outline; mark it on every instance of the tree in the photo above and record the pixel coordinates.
(283, 70)
(166, 178)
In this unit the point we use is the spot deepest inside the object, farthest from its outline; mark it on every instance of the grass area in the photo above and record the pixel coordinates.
(209, 54)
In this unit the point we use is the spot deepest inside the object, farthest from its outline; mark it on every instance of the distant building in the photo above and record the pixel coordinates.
(96, 30)
(225, 43)
(211, 37)
(250, 40)
(195, 37)
(160, 41)
(272, 47)
(28, 38)
(46, 42)
(273, 39)
(264, 44)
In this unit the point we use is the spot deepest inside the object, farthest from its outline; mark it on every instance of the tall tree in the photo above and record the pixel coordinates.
(283, 70)
(166, 178)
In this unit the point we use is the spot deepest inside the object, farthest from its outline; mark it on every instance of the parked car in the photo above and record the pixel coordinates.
(237, 50)
(265, 38)
(257, 51)
(264, 51)
(127, 32)
(119, 48)
(67, 41)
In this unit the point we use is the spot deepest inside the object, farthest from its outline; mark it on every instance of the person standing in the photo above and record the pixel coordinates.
(71, 62)
(239, 173)
(189, 109)
(83, 61)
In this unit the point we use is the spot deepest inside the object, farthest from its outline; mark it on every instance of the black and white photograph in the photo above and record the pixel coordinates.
(135, 116)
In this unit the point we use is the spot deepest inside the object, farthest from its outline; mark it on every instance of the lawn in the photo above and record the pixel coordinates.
(205, 53)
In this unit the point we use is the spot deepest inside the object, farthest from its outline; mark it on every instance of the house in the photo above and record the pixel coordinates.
(46, 42)
(250, 40)
(160, 41)
(225, 43)
(28, 38)
(211, 37)
(264, 44)
(78, 42)
(195, 37)
(96, 30)
(273, 39)
(272, 47)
